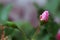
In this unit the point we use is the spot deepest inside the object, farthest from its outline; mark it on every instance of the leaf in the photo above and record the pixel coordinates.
(8, 31)
(5, 12)
(18, 35)
(52, 5)
(10, 24)
(28, 29)
(47, 37)
(19, 23)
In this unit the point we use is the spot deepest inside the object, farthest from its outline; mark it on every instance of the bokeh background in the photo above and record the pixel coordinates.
(19, 19)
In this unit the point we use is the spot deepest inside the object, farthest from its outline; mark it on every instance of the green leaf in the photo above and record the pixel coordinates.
(10, 24)
(18, 35)
(28, 29)
(52, 5)
(5, 12)
(8, 31)
(19, 23)
(47, 37)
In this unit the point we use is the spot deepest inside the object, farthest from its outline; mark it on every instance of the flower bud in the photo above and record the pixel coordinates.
(44, 16)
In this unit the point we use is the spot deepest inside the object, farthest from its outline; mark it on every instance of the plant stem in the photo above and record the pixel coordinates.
(23, 33)
(36, 33)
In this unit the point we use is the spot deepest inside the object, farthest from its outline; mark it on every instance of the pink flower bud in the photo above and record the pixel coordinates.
(58, 35)
(44, 16)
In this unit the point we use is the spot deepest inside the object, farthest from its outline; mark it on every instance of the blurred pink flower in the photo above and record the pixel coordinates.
(24, 12)
(58, 35)
(44, 16)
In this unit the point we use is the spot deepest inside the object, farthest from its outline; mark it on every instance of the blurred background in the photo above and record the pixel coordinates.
(19, 19)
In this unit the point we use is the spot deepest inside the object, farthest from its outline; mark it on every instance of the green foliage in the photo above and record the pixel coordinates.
(4, 13)
(19, 30)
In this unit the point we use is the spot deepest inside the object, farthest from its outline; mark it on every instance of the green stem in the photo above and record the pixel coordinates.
(36, 33)
(23, 33)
